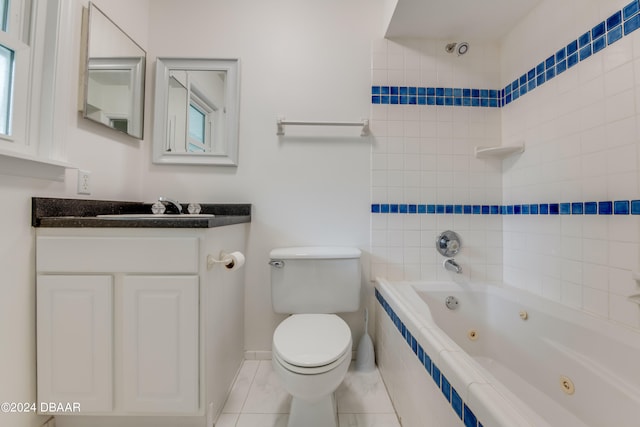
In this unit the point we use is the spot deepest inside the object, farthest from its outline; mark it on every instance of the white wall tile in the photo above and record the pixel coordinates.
(624, 311)
(581, 135)
(595, 301)
(595, 276)
(586, 125)
(621, 282)
(619, 79)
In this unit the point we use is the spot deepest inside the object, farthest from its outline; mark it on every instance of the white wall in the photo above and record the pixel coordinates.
(115, 163)
(303, 60)
(581, 135)
(306, 61)
(114, 160)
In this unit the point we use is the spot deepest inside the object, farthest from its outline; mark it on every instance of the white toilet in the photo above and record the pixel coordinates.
(311, 349)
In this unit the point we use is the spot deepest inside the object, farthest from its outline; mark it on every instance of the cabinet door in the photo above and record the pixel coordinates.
(75, 338)
(160, 344)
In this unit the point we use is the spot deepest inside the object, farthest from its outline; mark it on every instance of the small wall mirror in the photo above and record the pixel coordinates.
(114, 76)
(196, 111)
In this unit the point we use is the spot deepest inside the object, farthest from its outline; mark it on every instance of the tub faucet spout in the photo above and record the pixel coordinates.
(451, 265)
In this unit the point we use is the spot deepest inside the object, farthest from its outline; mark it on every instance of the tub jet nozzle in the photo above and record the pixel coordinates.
(451, 302)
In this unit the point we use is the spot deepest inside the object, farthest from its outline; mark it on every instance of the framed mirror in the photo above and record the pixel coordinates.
(196, 111)
(113, 76)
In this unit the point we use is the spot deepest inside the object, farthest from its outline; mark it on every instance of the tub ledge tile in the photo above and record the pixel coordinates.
(492, 409)
(461, 371)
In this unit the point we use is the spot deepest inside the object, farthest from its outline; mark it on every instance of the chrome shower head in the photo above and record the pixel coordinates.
(463, 47)
(460, 48)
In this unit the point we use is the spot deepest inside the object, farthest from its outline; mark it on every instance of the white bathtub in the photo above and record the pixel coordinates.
(502, 358)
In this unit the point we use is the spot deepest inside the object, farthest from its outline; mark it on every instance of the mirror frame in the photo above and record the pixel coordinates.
(164, 66)
(137, 69)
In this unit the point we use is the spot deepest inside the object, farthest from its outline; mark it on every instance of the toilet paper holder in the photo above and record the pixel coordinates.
(231, 260)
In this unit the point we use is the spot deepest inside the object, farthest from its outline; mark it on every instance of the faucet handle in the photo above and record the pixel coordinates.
(158, 208)
(194, 208)
(453, 246)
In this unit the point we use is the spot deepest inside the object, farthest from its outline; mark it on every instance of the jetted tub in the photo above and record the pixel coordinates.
(502, 357)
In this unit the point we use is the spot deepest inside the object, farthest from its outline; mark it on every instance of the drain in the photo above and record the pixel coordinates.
(567, 385)
(472, 335)
(451, 302)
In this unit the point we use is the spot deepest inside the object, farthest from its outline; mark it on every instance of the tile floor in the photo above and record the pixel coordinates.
(258, 400)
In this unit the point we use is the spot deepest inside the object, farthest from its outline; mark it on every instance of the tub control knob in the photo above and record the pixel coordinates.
(448, 243)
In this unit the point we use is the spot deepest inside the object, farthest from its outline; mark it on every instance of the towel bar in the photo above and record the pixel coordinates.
(282, 123)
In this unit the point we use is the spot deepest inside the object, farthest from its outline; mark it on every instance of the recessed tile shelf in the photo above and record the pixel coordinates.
(498, 152)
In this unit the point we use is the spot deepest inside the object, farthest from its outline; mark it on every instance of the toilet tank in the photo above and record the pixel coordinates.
(315, 279)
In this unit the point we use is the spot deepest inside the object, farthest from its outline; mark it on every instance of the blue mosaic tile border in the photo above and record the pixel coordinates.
(459, 97)
(448, 391)
(622, 23)
(617, 207)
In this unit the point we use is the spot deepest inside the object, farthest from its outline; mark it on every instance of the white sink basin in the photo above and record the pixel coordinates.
(154, 216)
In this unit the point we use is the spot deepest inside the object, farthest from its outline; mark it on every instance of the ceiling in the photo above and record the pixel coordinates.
(486, 20)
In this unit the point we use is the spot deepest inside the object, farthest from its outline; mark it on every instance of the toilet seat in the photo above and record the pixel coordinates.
(311, 343)
(311, 371)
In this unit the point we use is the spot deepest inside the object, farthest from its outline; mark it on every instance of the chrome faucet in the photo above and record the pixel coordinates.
(172, 202)
(451, 265)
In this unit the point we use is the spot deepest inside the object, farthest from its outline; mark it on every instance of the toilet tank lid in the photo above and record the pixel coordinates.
(315, 252)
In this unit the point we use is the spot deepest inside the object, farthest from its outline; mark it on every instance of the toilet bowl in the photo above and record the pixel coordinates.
(311, 355)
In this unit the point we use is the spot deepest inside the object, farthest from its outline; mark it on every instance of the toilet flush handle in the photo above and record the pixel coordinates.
(277, 263)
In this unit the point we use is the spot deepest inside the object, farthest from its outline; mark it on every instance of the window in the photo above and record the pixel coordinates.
(200, 123)
(33, 35)
(15, 63)
(6, 73)
(197, 129)
(6, 86)
(4, 9)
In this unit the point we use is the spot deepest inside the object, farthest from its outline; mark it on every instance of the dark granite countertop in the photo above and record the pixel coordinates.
(81, 213)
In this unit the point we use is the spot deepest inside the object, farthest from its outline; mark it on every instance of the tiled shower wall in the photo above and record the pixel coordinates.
(581, 133)
(571, 94)
(423, 154)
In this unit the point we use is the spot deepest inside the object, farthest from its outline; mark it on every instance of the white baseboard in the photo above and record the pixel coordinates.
(257, 355)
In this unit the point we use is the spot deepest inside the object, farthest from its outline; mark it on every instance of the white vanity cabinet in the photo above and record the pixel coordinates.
(131, 322)
(160, 344)
(75, 340)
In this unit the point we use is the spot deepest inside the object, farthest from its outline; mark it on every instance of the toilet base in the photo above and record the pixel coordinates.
(322, 413)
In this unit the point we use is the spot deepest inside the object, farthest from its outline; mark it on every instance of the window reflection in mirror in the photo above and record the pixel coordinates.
(196, 111)
(114, 76)
(195, 122)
